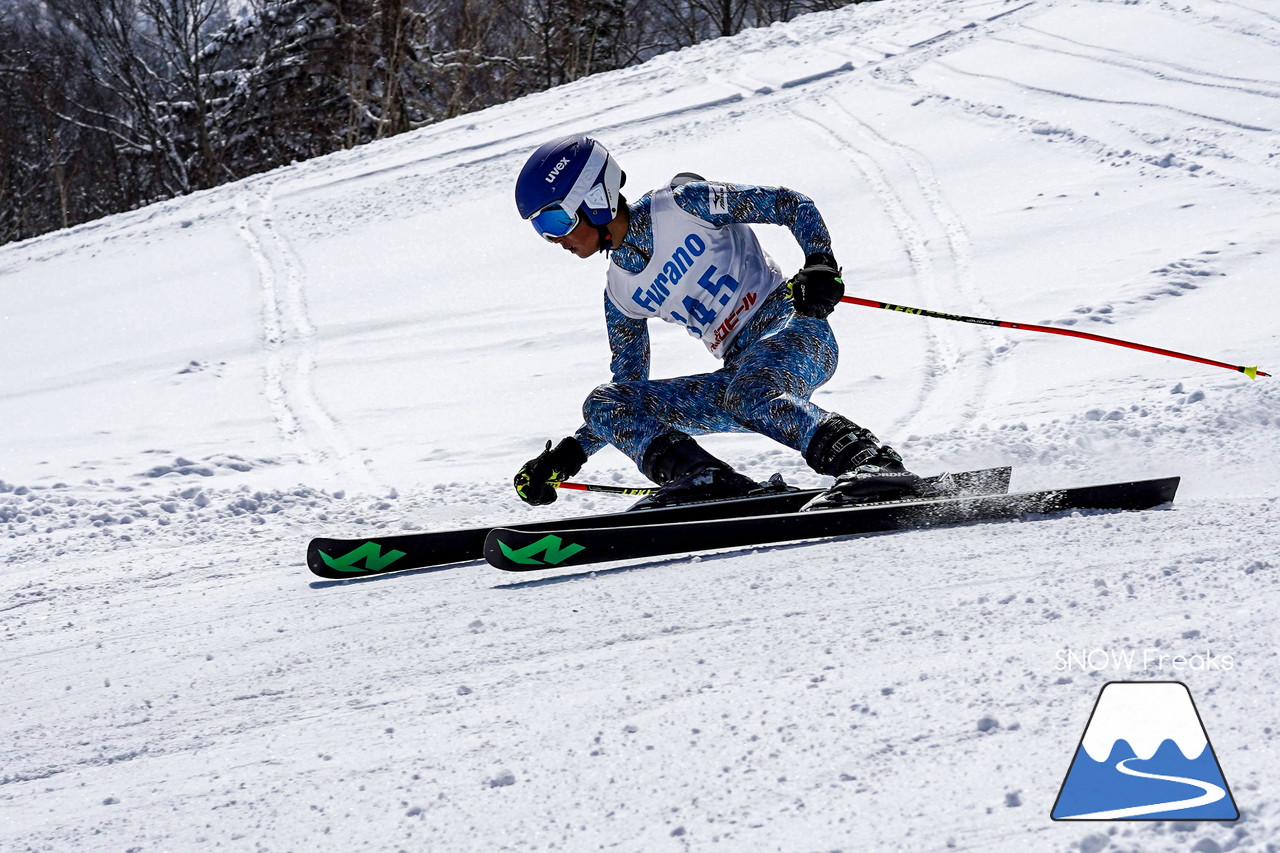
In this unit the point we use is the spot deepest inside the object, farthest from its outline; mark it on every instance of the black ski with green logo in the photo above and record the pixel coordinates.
(342, 559)
(525, 549)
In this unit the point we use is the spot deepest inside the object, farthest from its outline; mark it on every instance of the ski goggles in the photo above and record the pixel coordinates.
(554, 222)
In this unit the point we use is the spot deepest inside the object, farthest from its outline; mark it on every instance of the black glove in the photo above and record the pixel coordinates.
(537, 480)
(815, 291)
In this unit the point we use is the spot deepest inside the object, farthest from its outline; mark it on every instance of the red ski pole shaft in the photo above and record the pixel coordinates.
(612, 490)
(1252, 372)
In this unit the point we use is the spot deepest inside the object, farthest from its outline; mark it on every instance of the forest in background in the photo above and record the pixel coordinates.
(108, 105)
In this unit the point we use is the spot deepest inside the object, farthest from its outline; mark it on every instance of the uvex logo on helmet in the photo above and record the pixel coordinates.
(559, 167)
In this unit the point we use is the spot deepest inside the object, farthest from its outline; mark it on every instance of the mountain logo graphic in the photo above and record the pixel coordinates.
(1145, 755)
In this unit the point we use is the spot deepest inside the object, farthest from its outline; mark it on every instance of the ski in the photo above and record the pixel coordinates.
(524, 549)
(341, 559)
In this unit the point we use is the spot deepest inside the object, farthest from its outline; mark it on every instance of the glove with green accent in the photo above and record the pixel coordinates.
(815, 291)
(537, 480)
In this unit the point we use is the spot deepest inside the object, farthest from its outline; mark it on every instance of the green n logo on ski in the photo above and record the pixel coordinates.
(370, 552)
(552, 547)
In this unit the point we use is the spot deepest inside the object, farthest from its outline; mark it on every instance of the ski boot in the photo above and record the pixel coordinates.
(865, 470)
(685, 473)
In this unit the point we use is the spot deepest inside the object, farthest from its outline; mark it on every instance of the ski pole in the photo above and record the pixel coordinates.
(1252, 372)
(613, 490)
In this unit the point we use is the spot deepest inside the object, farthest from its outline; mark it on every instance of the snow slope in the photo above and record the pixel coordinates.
(374, 341)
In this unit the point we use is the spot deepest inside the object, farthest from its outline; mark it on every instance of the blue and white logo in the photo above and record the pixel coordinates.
(1145, 756)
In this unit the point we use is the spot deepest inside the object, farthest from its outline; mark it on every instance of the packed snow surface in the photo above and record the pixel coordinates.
(373, 341)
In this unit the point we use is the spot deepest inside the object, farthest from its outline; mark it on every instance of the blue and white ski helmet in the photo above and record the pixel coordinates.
(567, 178)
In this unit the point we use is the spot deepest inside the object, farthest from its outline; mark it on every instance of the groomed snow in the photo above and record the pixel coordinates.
(374, 341)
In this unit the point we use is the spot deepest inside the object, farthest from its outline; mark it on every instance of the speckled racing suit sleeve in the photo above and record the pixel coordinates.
(725, 204)
(629, 344)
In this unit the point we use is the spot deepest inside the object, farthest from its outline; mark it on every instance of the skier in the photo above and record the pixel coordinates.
(685, 254)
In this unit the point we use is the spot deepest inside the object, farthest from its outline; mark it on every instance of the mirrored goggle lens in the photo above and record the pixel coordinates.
(554, 222)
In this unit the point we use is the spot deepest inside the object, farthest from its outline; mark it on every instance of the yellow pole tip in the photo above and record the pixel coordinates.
(1252, 372)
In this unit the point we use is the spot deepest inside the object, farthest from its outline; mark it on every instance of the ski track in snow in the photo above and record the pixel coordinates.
(1190, 151)
(966, 349)
(1075, 96)
(940, 350)
(175, 679)
(288, 343)
(1273, 19)
(1169, 71)
(936, 246)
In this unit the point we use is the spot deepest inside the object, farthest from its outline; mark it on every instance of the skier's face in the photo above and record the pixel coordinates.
(583, 240)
